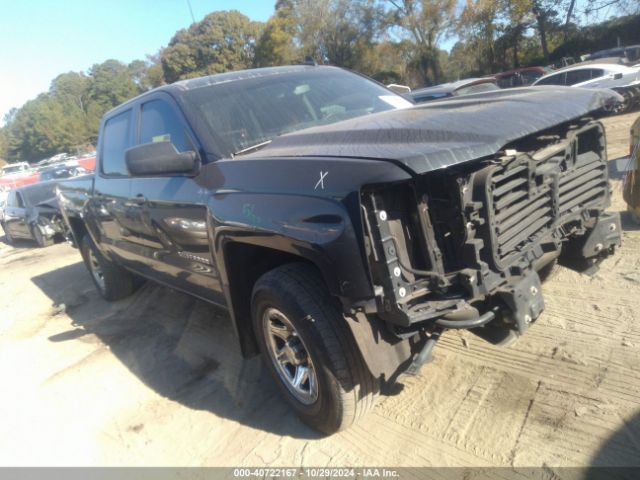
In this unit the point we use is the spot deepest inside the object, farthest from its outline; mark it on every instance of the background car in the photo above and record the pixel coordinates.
(3, 201)
(18, 175)
(14, 168)
(619, 78)
(629, 55)
(61, 171)
(520, 77)
(32, 213)
(455, 89)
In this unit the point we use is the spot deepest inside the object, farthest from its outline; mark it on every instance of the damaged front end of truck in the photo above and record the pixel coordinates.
(497, 189)
(464, 247)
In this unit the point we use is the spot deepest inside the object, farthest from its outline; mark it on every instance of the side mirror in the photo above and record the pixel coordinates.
(399, 89)
(160, 158)
(616, 76)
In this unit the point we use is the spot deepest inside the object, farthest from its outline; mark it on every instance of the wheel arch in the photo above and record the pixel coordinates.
(78, 229)
(244, 264)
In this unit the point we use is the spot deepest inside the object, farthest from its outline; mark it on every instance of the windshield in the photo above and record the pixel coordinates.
(43, 193)
(245, 113)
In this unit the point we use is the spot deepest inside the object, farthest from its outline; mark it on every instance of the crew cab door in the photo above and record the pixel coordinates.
(171, 209)
(110, 218)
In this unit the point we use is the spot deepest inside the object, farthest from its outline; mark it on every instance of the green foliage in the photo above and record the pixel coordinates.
(68, 115)
(394, 41)
(220, 42)
(276, 45)
(426, 23)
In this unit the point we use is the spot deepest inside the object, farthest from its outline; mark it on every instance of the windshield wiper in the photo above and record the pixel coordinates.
(252, 148)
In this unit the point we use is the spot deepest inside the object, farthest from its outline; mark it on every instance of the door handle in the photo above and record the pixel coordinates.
(136, 201)
(139, 199)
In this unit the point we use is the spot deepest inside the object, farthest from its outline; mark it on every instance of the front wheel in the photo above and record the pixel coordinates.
(40, 239)
(309, 349)
(112, 281)
(7, 236)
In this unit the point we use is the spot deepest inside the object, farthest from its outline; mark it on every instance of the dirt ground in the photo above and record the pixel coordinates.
(157, 379)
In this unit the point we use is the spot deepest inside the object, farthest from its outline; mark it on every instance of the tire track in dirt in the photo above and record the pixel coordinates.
(536, 367)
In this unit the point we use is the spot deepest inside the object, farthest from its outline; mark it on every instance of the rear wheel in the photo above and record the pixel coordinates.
(112, 281)
(309, 349)
(7, 236)
(40, 239)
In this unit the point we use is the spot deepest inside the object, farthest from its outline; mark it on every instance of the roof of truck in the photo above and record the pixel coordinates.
(219, 78)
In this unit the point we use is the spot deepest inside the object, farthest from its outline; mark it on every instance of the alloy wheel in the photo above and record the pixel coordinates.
(290, 356)
(96, 270)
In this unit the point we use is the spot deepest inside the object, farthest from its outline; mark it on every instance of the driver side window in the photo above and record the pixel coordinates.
(160, 123)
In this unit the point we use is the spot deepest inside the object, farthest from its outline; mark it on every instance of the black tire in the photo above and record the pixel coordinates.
(40, 239)
(633, 213)
(7, 236)
(346, 390)
(112, 281)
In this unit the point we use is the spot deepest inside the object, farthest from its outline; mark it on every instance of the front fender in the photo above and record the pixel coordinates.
(316, 229)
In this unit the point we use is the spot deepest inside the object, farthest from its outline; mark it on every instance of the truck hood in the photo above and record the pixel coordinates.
(443, 133)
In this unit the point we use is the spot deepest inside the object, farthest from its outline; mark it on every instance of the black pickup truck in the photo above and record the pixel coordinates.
(343, 227)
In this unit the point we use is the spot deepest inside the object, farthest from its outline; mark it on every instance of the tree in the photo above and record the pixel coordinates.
(276, 45)
(112, 84)
(426, 22)
(338, 32)
(221, 42)
(10, 115)
(542, 16)
(71, 88)
(41, 128)
(478, 26)
(387, 61)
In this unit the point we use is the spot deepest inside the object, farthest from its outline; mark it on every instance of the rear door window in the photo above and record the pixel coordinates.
(578, 76)
(116, 139)
(159, 122)
(557, 79)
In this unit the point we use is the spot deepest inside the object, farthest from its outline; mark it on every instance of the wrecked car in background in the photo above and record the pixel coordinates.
(59, 172)
(31, 213)
(18, 175)
(342, 227)
(619, 78)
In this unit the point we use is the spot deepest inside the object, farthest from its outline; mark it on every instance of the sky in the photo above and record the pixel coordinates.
(40, 39)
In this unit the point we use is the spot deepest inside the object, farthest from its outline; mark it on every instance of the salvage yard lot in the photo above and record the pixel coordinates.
(157, 379)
